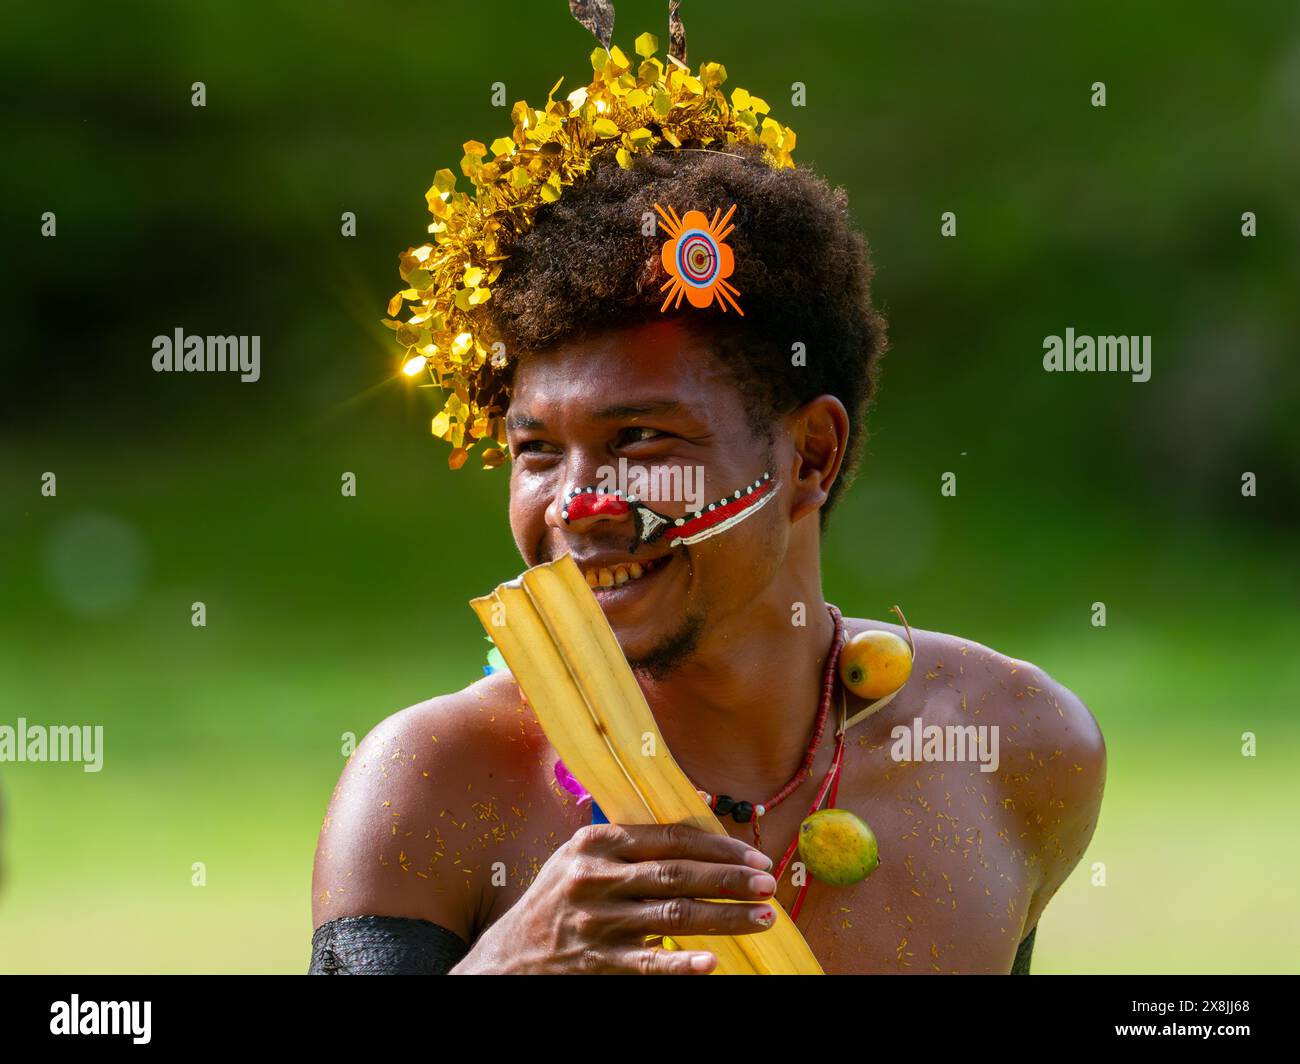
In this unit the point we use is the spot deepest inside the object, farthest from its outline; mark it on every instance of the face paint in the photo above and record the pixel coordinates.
(652, 526)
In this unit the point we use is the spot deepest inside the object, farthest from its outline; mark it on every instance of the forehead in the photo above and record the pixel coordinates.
(659, 359)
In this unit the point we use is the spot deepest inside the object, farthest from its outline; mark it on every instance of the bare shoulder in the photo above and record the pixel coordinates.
(1050, 753)
(1042, 722)
(1019, 696)
(404, 802)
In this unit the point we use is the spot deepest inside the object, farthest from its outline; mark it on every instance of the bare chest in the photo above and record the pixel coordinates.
(950, 894)
(954, 882)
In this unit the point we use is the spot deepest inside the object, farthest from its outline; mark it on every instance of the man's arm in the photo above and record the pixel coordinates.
(388, 895)
(1059, 765)
(1020, 966)
(384, 945)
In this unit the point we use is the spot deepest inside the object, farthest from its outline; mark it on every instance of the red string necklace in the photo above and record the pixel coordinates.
(723, 805)
(743, 812)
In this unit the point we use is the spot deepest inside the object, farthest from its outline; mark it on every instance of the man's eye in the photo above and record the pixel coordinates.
(533, 447)
(642, 433)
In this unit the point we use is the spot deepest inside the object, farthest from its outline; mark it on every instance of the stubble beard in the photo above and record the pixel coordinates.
(671, 652)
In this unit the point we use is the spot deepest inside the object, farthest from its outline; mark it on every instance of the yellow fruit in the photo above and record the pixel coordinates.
(838, 847)
(874, 664)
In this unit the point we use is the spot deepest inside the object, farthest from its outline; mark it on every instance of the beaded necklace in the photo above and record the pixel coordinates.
(746, 812)
(741, 812)
(751, 812)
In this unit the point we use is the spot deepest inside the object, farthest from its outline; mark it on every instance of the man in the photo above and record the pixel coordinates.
(449, 845)
(453, 841)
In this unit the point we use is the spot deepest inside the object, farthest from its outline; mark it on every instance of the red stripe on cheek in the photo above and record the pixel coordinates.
(715, 517)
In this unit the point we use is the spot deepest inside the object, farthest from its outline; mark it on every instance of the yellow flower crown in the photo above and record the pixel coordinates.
(628, 110)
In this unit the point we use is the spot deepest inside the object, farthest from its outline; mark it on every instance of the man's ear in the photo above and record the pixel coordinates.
(819, 431)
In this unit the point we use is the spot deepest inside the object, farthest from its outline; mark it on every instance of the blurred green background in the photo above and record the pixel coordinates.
(325, 613)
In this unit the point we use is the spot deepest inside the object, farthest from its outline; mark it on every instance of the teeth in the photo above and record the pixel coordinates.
(616, 575)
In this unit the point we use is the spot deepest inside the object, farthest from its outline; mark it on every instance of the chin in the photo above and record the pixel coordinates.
(659, 654)
(638, 639)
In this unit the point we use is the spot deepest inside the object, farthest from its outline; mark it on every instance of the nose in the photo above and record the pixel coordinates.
(586, 502)
(586, 507)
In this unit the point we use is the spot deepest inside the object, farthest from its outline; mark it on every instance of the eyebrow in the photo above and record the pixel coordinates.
(523, 421)
(605, 413)
(650, 406)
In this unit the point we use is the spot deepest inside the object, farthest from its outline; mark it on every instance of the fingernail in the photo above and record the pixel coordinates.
(762, 884)
(701, 961)
(758, 859)
(764, 916)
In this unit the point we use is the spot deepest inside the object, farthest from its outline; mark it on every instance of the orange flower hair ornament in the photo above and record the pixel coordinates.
(697, 260)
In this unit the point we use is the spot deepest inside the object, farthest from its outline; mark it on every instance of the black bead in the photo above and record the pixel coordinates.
(723, 805)
(743, 813)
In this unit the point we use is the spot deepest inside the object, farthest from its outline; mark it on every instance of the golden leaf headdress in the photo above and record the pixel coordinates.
(628, 109)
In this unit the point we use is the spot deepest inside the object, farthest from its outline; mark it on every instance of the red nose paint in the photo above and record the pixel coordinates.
(594, 504)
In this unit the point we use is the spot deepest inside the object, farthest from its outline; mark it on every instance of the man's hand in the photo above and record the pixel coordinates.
(608, 887)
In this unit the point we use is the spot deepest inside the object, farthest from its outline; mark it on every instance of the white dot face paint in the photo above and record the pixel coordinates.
(652, 526)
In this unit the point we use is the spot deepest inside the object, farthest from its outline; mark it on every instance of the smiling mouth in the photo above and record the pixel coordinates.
(607, 576)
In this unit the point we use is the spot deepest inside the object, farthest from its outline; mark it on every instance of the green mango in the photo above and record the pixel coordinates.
(837, 847)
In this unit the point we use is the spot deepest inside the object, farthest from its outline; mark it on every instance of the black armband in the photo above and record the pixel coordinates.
(1020, 966)
(384, 945)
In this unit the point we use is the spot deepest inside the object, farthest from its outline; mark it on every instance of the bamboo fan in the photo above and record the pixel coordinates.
(563, 654)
